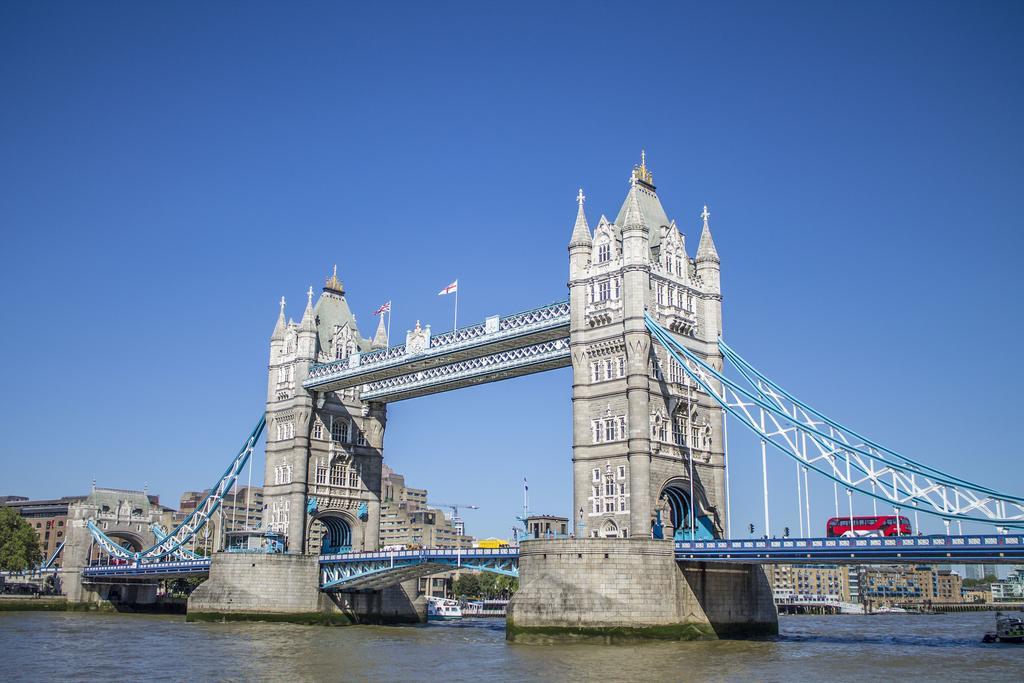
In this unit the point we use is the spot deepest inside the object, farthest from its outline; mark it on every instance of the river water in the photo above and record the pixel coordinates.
(42, 646)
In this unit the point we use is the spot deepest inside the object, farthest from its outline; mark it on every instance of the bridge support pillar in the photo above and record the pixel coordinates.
(619, 590)
(257, 587)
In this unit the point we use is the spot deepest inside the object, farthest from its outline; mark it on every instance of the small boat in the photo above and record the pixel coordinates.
(442, 609)
(1009, 629)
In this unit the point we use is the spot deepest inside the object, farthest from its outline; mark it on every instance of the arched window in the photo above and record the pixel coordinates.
(339, 430)
(604, 252)
(610, 529)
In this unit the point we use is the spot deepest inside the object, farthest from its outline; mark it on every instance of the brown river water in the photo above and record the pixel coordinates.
(46, 646)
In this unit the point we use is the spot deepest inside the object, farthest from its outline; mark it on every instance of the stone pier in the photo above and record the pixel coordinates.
(619, 590)
(256, 587)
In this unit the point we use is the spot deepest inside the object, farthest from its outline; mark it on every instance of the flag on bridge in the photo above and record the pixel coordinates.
(453, 288)
(386, 308)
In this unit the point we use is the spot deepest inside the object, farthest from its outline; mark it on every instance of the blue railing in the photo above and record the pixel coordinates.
(991, 549)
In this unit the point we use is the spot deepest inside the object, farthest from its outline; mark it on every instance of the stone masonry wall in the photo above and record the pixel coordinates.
(632, 588)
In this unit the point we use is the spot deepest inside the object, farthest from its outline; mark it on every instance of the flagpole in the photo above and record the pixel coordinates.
(389, 324)
(456, 325)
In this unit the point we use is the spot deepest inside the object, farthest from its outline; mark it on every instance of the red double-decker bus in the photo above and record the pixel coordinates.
(883, 525)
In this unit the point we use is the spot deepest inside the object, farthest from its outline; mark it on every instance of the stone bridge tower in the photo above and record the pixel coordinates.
(127, 517)
(637, 418)
(324, 450)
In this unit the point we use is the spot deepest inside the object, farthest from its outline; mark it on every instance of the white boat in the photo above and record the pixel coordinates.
(442, 609)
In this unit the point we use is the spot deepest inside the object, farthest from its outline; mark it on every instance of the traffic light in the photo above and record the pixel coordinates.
(786, 532)
(751, 527)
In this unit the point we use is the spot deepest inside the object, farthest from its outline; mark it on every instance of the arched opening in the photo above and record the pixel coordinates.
(127, 540)
(334, 533)
(609, 529)
(676, 499)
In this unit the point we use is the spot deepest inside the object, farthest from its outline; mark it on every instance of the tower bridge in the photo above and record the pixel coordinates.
(642, 332)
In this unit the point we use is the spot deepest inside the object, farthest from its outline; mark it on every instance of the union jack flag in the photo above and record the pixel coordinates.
(386, 308)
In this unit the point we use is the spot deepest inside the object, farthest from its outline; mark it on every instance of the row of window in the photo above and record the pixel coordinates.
(279, 515)
(700, 436)
(343, 350)
(283, 474)
(285, 430)
(620, 473)
(608, 289)
(339, 474)
(670, 295)
(674, 265)
(599, 505)
(286, 374)
(609, 429)
(343, 430)
(609, 368)
(675, 375)
(50, 523)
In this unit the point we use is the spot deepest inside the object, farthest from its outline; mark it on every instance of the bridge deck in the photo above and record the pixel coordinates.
(374, 570)
(967, 549)
(135, 570)
(516, 345)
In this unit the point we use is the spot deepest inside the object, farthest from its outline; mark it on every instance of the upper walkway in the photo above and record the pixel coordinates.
(498, 348)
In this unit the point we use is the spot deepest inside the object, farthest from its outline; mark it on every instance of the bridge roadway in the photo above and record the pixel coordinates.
(138, 570)
(374, 570)
(501, 347)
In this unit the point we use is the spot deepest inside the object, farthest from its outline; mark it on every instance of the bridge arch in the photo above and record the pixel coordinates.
(331, 531)
(127, 539)
(674, 501)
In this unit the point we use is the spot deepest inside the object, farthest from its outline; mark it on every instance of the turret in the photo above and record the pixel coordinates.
(307, 331)
(581, 241)
(709, 272)
(277, 337)
(380, 339)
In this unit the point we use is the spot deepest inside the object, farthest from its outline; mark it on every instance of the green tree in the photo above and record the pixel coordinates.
(467, 586)
(19, 545)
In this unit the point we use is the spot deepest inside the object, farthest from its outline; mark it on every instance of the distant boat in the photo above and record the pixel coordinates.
(1009, 629)
(485, 608)
(442, 609)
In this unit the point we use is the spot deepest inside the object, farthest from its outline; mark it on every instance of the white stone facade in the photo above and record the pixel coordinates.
(636, 416)
(322, 447)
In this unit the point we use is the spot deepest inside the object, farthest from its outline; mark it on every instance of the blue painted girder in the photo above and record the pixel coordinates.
(988, 549)
(375, 570)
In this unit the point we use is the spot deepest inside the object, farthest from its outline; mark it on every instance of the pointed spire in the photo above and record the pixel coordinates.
(380, 340)
(633, 217)
(581, 231)
(280, 326)
(308, 321)
(706, 249)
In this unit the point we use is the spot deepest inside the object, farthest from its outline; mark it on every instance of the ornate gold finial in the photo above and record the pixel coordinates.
(333, 283)
(640, 173)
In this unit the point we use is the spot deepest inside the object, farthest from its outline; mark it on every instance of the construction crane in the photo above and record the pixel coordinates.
(457, 522)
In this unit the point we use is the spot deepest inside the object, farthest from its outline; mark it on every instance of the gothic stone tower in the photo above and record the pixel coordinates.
(637, 418)
(324, 450)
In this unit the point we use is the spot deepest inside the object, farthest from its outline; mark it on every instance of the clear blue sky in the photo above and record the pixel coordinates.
(168, 171)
